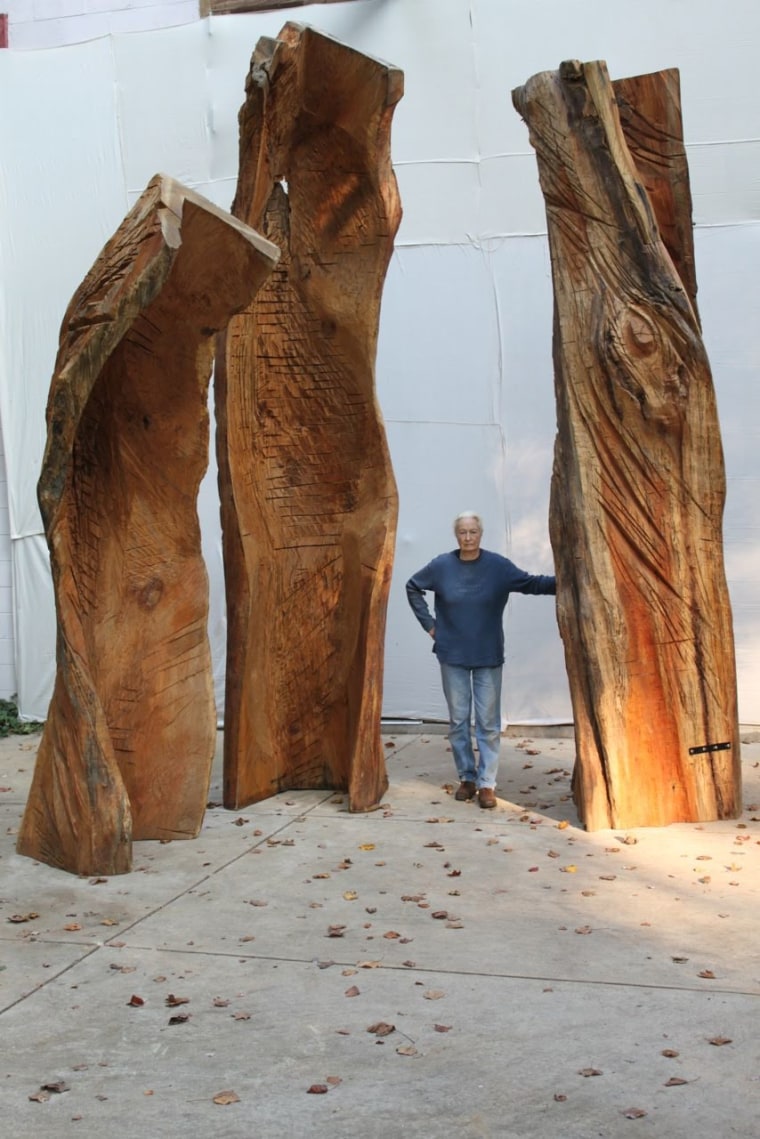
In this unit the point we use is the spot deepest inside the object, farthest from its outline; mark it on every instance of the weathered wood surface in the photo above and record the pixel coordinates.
(129, 739)
(649, 107)
(308, 497)
(638, 486)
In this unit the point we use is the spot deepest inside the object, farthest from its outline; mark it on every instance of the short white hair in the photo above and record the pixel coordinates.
(468, 514)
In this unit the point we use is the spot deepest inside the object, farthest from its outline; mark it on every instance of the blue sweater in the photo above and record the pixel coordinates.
(470, 597)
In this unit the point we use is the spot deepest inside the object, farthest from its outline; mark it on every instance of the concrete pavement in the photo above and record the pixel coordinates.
(431, 969)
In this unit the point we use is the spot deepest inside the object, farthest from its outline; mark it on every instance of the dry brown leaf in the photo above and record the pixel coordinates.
(352, 991)
(225, 1097)
(633, 1113)
(55, 1086)
(333, 1081)
(455, 923)
(406, 1050)
(173, 1001)
(584, 929)
(562, 825)
(220, 1002)
(670, 1053)
(382, 1028)
(568, 869)
(350, 895)
(17, 918)
(240, 1015)
(391, 935)
(707, 974)
(39, 1097)
(335, 931)
(367, 846)
(135, 1001)
(718, 1041)
(318, 1089)
(369, 964)
(590, 1072)
(674, 1082)
(439, 915)
(433, 994)
(179, 1018)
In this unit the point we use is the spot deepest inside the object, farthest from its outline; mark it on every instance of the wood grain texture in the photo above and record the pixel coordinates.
(130, 735)
(638, 486)
(309, 501)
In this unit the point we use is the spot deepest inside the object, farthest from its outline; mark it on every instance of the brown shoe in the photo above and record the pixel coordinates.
(486, 797)
(465, 791)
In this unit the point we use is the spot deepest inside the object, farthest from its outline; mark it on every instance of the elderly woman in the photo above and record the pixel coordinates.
(471, 587)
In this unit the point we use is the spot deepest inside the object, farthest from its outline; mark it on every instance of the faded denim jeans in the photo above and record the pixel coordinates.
(462, 688)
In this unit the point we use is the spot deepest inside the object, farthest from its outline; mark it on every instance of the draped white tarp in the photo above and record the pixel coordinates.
(464, 366)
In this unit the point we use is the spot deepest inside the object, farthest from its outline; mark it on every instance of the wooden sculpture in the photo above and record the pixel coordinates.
(638, 486)
(129, 739)
(308, 497)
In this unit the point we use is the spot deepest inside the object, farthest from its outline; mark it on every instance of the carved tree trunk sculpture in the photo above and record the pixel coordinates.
(638, 485)
(308, 497)
(130, 734)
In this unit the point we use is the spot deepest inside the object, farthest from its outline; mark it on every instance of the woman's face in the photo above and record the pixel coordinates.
(468, 534)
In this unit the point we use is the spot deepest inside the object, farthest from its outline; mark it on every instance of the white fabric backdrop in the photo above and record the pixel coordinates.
(464, 366)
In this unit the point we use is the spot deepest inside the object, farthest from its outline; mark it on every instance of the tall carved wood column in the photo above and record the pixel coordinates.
(638, 486)
(308, 496)
(130, 735)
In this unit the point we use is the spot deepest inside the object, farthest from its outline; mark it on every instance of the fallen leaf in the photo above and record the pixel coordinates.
(590, 1072)
(226, 1097)
(241, 1016)
(367, 846)
(409, 964)
(39, 1097)
(455, 923)
(382, 1028)
(679, 960)
(674, 1082)
(335, 930)
(391, 935)
(633, 1113)
(707, 974)
(369, 964)
(179, 1018)
(56, 1086)
(352, 992)
(333, 1081)
(584, 929)
(670, 1053)
(406, 1050)
(568, 869)
(720, 1040)
(173, 1001)
(220, 1002)
(434, 994)
(320, 875)
(439, 915)
(17, 918)
(350, 895)
(318, 1089)
(442, 1027)
(562, 824)
(135, 1001)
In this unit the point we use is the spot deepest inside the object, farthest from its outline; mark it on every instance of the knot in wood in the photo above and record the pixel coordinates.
(639, 334)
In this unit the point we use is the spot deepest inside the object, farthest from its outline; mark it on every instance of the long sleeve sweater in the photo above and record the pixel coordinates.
(470, 597)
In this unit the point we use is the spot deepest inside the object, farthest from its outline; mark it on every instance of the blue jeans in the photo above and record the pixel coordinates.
(482, 686)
